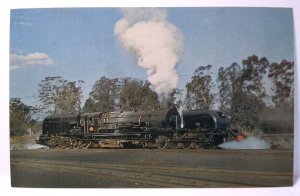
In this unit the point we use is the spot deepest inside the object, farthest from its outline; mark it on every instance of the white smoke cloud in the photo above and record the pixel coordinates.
(26, 142)
(155, 42)
(22, 61)
(248, 143)
(27, 147)
(34, 146)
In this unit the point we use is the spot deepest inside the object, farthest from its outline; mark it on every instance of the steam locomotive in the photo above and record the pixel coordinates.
(157, 128)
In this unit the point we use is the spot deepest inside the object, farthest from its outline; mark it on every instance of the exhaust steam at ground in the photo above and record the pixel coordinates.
(250, 142)
(26, 142)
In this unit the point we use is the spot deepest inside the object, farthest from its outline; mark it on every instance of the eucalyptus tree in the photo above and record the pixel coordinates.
(282, 75)
(60, 96)
(242, 92)
(199, 94)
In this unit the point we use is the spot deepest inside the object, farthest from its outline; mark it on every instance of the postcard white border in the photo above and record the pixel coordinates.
(6, 5)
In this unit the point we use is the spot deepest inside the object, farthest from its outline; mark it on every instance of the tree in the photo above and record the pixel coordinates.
(130, 93)
(249, 96)
(89, 105)
(104, 95)
(149, 98)
(199, 91)
(60, 96)
(252, 74)
(136, 94)
(226, 78)
(69, 98)
(242, 92)
(282, 75)
(20, 116)
(121, 94)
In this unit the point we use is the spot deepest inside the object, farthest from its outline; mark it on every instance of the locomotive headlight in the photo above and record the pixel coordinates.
(91, 129)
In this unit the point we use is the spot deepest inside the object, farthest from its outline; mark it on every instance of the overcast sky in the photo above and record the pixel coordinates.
(79, 44)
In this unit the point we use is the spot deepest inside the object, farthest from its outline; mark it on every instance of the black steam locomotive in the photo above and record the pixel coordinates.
(160, 128)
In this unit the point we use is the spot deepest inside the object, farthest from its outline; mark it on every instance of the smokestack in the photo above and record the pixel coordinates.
(155, 42)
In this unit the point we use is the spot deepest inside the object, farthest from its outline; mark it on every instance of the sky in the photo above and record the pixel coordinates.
(80, 43)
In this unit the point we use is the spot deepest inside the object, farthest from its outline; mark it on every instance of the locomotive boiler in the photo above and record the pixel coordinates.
(160, 128)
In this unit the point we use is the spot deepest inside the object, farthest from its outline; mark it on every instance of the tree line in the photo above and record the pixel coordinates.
(240, 91)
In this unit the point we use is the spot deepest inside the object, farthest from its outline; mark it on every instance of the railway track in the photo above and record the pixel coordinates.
(152, 175)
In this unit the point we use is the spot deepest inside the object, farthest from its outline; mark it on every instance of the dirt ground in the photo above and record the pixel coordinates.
(150, 168)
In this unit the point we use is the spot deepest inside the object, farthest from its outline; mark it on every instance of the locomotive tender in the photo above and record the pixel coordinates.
(159, 128)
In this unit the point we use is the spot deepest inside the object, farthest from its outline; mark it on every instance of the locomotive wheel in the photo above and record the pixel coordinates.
(161, 142)
(51, 143)
(86, 145)
(75, 144)
(180, 145)
(171, 145)
(67, 145)
(194, 145)
(187, 145)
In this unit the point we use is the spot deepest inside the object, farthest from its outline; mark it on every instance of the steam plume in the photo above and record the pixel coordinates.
(155, 42)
